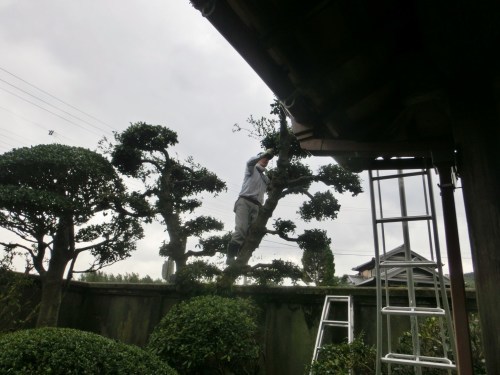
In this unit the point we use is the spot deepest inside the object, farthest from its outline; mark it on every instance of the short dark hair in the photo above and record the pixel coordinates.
(264, 155)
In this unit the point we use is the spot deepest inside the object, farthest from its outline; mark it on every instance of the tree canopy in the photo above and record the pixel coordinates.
(292, 176)
(319, 266)
(61, 201)
(172, 187)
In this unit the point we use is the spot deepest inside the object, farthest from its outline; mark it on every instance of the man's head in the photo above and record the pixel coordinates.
(265, 157)
(263, 162)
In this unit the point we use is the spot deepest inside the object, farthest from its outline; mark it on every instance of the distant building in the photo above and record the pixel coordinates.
(422, 276)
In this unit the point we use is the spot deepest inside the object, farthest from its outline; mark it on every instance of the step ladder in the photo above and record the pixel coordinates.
(388, 228)
(336, 323)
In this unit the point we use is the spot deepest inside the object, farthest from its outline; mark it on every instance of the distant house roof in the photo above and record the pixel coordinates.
(396, 275)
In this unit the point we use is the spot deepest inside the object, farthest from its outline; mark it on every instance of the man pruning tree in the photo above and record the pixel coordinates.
(250, 199)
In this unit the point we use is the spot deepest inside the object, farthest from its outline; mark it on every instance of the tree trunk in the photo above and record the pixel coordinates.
(51, 293)
(52, 279)
(258, 229)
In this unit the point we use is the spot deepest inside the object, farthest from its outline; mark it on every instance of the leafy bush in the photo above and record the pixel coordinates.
(197, 273)
(208, 335)
(341, 359)
(431, 345)
(69, 351)
(102, 277)
(16, 293)
(275, 273)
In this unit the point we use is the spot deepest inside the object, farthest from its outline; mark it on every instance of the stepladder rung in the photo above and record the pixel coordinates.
(333, 306)
(413, 311)
(424, 361)
(335, 323)
(400, 219)
(399, 175)
(408, 263)
(404, 265)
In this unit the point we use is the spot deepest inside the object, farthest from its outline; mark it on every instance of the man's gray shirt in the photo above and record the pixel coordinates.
(255, 181)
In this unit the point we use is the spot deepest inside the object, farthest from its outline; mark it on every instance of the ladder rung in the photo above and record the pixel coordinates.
(408, 263)
(406, 359)
(403, 219)
(335, 323)
(398, 175)
(414, 311)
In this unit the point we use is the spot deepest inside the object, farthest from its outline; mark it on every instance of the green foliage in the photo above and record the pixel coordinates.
(201, 224)
(196, 273)
(172, 188)
(292, 176)
(319, 266)
(214, 244)
(431, 344)
(47, 189)
(340, 359)
(284, 227)
(272, 139)
(139, 139)
(208, 335)
(61, 201)
(69, 351)
(314, 240)
(16, 311)
(102, 277)
(275, 273)
(478, 361)
(322, 205)
(340, 179)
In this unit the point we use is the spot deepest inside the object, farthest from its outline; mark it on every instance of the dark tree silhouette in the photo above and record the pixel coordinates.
(173, 188)
(291, 176)
(62, 201)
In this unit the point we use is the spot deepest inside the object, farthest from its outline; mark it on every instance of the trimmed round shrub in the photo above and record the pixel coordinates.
(345, 358)
(208, 335)
(70, 351)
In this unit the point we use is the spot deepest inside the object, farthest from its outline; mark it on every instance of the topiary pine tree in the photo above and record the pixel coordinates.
(291, 176)
(62, 201)
(172, 187)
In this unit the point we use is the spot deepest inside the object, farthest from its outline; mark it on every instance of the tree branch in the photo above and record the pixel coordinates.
(281, 235)
(12, 246)
(201, 253)
(156, 164)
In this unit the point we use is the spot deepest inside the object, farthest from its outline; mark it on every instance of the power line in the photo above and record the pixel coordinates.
(45, 109)
(56, 98)
(45, 128)
(51, 105)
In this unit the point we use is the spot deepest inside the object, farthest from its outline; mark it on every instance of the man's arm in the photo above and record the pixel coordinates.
(255, 159)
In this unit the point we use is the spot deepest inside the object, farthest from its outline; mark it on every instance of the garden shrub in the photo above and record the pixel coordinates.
(345, 359)
(68, 351)
(431, 345)
(17, 291)
(196, 276)
(208, 335)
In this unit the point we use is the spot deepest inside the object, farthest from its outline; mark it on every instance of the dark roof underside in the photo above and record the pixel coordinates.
(361, 79)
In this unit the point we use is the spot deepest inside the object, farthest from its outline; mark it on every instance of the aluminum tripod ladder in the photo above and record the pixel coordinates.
(386, 229)
(336, 318)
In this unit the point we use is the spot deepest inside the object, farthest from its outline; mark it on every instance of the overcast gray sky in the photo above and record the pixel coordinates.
(72, 72)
